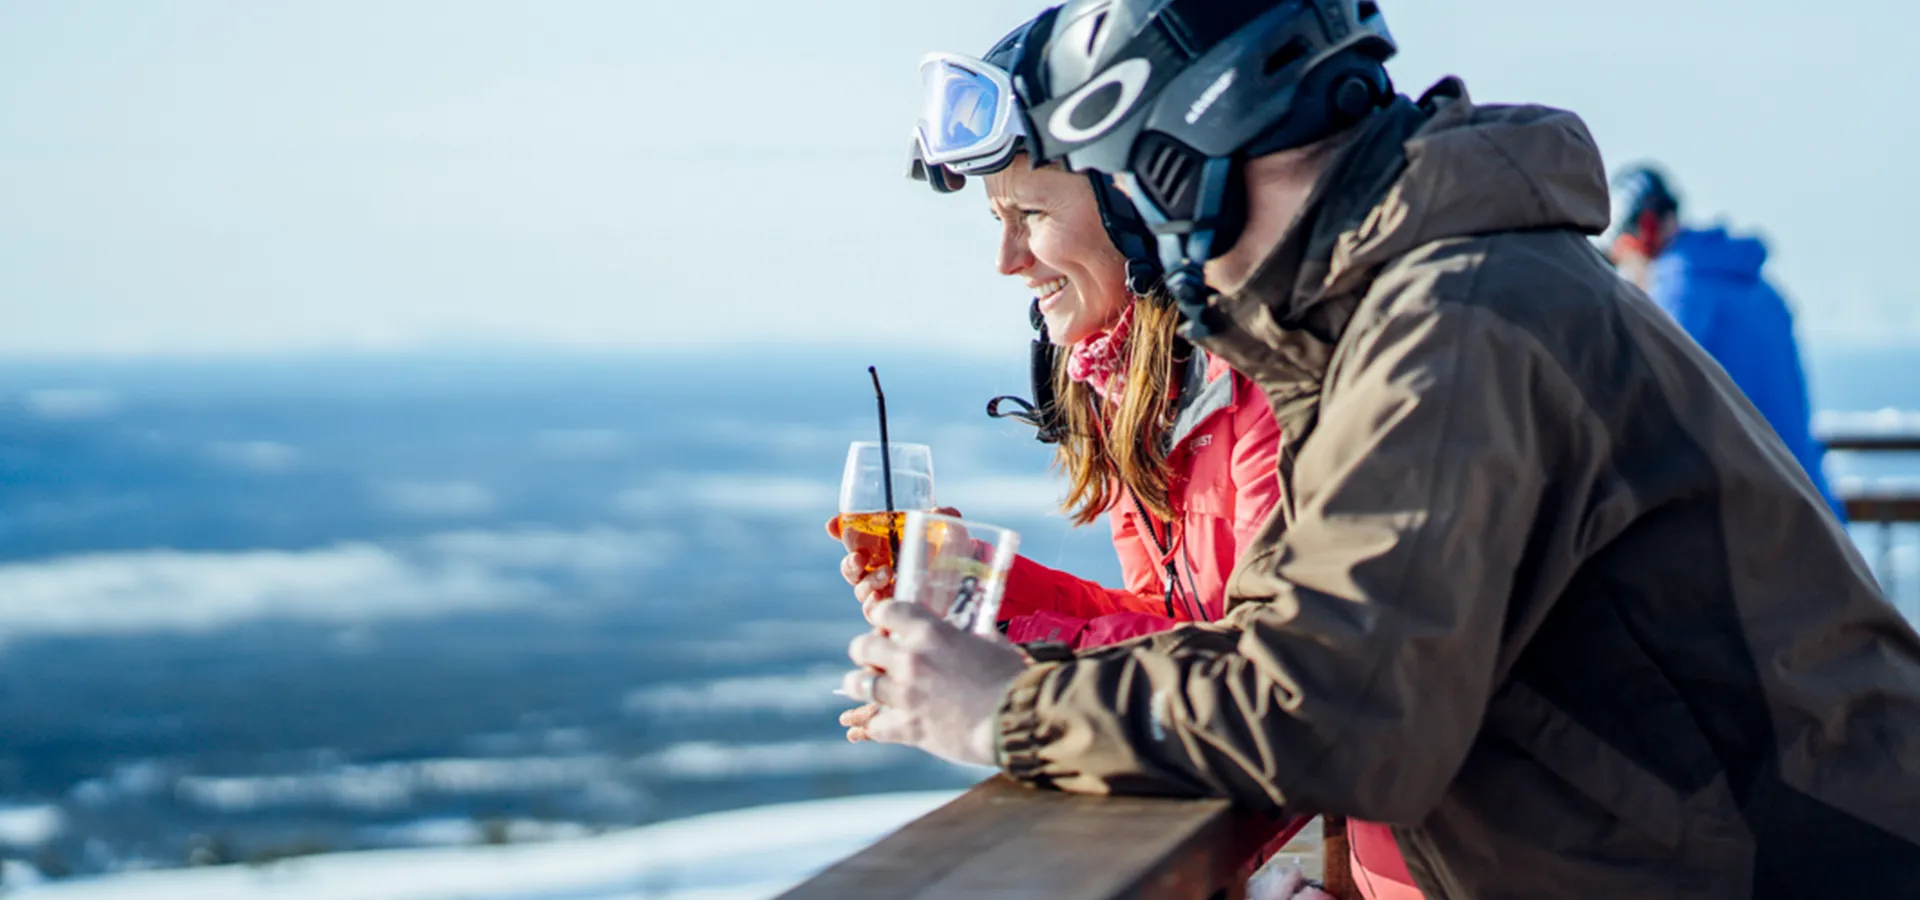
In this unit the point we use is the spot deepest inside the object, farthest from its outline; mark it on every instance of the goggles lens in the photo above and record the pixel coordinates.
(961, 109)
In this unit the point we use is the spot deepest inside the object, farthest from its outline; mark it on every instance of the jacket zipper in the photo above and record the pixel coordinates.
(1160, 550)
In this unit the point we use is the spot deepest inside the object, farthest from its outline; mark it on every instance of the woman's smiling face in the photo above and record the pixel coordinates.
(1051, 238)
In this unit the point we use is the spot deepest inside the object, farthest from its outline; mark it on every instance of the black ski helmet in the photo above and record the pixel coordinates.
(1173, 96)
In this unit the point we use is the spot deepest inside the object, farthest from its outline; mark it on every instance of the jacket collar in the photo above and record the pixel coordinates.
(1203, 393)
(1414, 174)
(1282, 324)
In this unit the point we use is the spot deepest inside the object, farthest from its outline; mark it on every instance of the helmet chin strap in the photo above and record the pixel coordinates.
(1186, 244)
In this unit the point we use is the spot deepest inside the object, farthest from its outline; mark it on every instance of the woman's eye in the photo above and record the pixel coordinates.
(1030, 213)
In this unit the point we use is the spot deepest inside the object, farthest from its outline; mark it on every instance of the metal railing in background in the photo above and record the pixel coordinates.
(1881, 506)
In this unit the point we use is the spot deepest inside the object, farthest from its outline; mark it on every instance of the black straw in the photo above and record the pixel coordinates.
(886, 465)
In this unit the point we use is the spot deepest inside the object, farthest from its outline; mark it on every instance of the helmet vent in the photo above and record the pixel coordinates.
(1369, 10)
(1167, 170)
(1096, 32)
(1289, 53)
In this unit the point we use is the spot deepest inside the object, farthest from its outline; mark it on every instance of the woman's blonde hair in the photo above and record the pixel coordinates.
(1121, 440)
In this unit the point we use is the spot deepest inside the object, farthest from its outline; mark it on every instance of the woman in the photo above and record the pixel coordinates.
(1173, 447)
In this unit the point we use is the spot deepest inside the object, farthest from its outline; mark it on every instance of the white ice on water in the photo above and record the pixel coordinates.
(749, 854)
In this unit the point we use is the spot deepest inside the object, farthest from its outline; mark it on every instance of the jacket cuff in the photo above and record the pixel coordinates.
(1018, 748)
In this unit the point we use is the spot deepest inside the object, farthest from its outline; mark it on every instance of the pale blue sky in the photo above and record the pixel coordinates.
(231, 176)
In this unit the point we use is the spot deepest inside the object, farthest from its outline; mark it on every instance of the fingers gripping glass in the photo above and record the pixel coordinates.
(968, 122)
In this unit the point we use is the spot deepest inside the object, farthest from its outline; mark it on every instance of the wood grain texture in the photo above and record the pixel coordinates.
(1004, 840)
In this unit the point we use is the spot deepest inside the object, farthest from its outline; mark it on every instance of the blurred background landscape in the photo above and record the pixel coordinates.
(417, 420)
(256, 609)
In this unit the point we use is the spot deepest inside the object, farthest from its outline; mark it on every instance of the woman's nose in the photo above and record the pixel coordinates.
(1014, 255)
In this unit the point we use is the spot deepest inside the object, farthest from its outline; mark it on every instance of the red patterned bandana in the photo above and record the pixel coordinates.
(1100, 361)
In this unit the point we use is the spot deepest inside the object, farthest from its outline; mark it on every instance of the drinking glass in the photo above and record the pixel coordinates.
(955, 567)
(865, 524)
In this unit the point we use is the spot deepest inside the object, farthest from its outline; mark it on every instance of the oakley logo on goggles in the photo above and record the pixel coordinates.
(968, 121)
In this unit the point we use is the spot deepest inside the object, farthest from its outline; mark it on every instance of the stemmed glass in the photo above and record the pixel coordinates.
(865, 523)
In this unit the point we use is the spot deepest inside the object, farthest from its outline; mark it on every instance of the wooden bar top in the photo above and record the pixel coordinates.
(1004, 840)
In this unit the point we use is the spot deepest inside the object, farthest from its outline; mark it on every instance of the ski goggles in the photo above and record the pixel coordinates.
(969, 121)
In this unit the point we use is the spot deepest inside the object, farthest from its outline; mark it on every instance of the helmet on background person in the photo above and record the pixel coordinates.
(1172, 97)
(1645, 210)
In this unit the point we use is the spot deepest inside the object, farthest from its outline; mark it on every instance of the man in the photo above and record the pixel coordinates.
(1710, 282)
(1543, 591)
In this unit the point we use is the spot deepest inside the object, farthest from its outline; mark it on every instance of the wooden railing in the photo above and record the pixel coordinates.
(1006, 840)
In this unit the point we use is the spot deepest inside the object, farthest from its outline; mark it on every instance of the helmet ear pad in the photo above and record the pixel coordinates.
(1335, 96)
(1128, 233)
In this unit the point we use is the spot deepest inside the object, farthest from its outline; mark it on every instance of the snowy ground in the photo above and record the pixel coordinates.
(748, 854)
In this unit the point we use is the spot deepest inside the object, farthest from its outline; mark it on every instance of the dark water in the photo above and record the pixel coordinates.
(250, 609)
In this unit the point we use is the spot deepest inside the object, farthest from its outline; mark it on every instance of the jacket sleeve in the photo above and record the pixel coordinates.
(1032, 587)
(1046, 604)
(1080, 634)
(1354, 671)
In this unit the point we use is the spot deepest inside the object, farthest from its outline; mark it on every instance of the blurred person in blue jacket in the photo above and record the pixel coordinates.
(1710, 282)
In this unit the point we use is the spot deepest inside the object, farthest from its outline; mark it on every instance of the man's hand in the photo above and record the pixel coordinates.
(938, 687)
(855, 722)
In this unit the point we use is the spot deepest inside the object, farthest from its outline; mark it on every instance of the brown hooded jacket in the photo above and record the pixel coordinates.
(1543, 590)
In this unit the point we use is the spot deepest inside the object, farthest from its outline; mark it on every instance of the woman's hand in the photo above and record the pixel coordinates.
(876, 585)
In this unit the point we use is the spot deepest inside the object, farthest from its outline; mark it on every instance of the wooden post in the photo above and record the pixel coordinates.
(1338, 876)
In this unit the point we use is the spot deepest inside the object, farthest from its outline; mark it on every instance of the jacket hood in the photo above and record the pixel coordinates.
(1715, 252)
(1420, 173)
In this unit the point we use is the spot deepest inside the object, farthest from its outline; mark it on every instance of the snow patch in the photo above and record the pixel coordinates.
(712, 761)
(805, 692)
(437, 499)
(30, 826)
(347, 584)
(255, 456)
(581, 444)
(391, 786)
(71, 403)
(749, 854)
(467, 832)
(740, 495)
